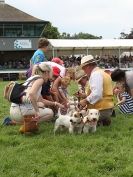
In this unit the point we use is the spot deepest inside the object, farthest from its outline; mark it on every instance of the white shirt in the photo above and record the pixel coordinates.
(62, 68)
(96, 86)
(129, 79)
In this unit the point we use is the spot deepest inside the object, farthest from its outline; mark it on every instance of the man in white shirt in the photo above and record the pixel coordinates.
(100, 94)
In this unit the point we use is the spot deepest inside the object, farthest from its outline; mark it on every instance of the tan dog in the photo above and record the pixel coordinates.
(90, 121)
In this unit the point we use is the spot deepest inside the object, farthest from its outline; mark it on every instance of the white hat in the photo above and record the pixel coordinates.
(87, 60)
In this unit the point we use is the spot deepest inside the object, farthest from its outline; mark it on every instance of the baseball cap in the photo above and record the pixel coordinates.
(58, 61)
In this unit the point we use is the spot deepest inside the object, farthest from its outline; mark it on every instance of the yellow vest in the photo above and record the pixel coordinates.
(107, 100)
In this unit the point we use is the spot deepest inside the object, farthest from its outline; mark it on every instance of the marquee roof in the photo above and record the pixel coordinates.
(92, 43)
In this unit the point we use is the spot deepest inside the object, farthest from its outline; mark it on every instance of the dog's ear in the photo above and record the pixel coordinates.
(86, 108)
(81, 115)
(75, 115)
(71, 120)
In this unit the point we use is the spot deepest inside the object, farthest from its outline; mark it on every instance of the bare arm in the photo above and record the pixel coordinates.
(33, 93)
(50, 103)
(56, 84)
(121, 101)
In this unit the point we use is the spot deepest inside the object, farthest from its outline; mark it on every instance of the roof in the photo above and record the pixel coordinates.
(12, 14)
(91, 43)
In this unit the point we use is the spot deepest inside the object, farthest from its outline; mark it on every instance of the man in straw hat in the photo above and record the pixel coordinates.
(100, 95)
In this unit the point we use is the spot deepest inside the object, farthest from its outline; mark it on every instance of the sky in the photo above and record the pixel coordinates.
(106, 18)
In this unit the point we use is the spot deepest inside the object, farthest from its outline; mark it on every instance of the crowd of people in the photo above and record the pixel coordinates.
(15, 64)
(47, 83)
(105, 61)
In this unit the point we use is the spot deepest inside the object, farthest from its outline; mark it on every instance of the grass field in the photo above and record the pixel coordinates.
(107, 153)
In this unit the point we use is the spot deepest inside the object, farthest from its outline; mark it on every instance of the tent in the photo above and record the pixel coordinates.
(91, 43)
(87, 44)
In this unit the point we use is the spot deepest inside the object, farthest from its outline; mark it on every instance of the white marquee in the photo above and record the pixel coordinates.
(92, 43)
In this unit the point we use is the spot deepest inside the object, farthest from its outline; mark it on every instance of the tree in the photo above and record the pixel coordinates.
(79, 36)
(85, 36)
(65, 36)
(50, 32)
(127, 36)
(123, 35)
(130, 35)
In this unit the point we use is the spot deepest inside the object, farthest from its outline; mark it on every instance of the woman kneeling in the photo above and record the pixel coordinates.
(32, 101)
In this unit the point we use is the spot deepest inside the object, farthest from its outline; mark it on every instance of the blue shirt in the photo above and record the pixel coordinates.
(38, 57)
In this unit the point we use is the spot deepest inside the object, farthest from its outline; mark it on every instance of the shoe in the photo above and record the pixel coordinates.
(7, 121)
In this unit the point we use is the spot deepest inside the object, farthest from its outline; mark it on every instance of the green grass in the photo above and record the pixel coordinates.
(107, 153)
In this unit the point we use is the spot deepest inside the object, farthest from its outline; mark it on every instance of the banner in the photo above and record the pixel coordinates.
(22, 44)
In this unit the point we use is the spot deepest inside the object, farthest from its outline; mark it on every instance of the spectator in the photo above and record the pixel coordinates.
(32, 100)
(123, 77)
(39, 55)
(125, 101)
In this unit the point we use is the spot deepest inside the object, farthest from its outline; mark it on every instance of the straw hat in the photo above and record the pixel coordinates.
(87, 60)
(44, 67)
(80, 74)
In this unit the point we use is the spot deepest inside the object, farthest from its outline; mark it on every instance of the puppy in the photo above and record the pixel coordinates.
(90, 121)
(79, 125)
(69, 122)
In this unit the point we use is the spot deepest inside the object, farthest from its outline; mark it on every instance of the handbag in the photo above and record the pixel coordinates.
(14, 91)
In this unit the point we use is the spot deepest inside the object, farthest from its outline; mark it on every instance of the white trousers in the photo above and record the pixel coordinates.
(18, 111)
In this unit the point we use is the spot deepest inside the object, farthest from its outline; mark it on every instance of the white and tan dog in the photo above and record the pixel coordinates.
(90, 121)
(70, 122)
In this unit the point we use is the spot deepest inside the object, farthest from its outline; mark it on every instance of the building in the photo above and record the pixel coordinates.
(19, 33)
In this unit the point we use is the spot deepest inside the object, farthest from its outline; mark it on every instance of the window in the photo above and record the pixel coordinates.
(12, 30)
(1, 30)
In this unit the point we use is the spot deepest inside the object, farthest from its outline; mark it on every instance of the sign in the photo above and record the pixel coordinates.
(22, 44)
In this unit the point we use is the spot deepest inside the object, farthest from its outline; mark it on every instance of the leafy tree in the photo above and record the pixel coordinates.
(127, 36)
(65, 36)
(85, 36)
(123, 35)
(50, 32)
(79, 36)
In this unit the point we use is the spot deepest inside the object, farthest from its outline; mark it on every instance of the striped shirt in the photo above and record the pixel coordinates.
(127, 106)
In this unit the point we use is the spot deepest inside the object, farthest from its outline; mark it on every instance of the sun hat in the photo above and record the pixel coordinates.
(87, 60)
(58, 61)
(79, 75)
(56, 71)
(82, 78)
(44, 67)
